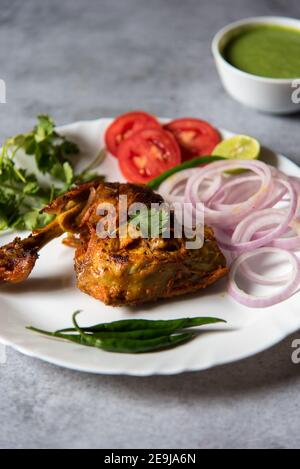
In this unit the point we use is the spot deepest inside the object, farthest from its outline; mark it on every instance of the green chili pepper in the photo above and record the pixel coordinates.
(127, 325)
(144, 346)
(132, 346)
(133, 335)
(122, 345)
(77, 338)
(156, 182)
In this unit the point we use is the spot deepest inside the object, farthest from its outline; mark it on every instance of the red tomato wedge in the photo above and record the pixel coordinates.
(195, 137)
(125, 126)
(147, 154)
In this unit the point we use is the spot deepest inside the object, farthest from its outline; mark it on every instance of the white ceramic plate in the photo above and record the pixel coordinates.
(49, 297)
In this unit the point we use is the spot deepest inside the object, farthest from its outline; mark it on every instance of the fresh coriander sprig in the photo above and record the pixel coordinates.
(22, 196)
(51, 151)
(151, 222)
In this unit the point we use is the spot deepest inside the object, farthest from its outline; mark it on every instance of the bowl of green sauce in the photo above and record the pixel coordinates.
(258, 60)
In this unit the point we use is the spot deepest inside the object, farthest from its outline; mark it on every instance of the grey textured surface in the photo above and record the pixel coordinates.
(81, 59)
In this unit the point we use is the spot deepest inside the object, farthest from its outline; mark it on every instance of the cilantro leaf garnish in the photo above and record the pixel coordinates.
(22, 196)
(48, 147)
(151, 222)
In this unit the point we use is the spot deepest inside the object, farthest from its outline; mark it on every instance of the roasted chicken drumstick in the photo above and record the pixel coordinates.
(18, 258)
(115, 270)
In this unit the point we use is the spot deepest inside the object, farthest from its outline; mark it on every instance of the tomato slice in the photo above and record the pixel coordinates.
(125, 126)
(147, 154)
(195, 137)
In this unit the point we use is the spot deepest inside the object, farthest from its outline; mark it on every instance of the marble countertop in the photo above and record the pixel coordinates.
(82, 59)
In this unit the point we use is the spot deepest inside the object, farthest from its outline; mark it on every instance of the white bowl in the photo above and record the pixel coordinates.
(276, 96)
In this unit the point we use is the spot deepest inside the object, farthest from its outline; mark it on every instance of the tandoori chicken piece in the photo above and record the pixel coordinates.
(17, 259)
(117, 270)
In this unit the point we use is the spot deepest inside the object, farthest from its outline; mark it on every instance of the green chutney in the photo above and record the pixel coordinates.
(265, 50)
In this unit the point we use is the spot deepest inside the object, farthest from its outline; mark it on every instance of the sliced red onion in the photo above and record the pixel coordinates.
(214, 184)
(276, 195)
(233, 213)
(291, 243)
(253, 276)
(251, 214)
(170, 187)
(262, 279)
(242, 237)
(238, 188)
(224, 239)
(261, 302)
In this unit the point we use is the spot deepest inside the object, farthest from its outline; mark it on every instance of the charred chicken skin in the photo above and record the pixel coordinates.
(117, 270)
